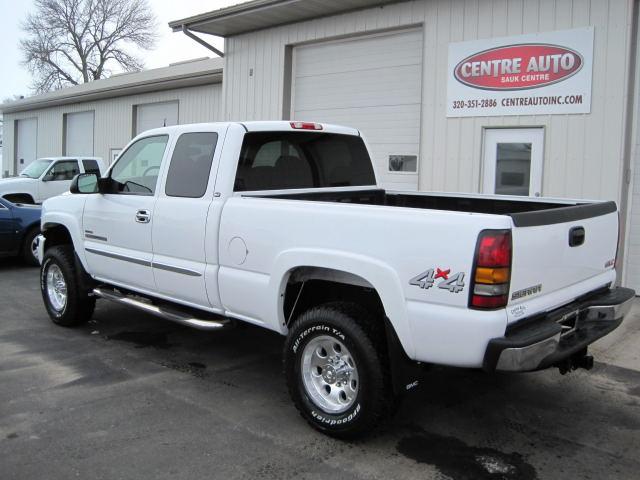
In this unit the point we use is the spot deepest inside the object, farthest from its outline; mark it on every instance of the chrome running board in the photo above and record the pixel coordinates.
(173, 314)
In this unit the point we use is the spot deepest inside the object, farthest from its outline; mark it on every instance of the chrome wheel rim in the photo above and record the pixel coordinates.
(56, 288)
(329, 374)
(34, 247)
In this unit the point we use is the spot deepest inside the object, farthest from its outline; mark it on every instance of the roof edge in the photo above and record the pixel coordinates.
(136, 88)
(232, 10)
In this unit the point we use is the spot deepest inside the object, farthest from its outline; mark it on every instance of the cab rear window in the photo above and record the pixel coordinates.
(300, 160)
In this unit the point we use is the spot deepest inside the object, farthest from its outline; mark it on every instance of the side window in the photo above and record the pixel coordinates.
(91, 166)
(190, 167)
(137, 169)
(64, 170)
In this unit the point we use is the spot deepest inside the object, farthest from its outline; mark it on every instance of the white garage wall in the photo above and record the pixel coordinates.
(113, 119)
(583, 153)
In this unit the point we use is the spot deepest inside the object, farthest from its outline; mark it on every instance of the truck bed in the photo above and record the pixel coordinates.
(524, 212)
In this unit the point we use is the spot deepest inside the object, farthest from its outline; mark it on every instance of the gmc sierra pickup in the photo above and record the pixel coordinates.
(282, 225)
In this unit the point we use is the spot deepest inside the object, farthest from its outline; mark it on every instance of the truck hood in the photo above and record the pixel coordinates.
(10, 185)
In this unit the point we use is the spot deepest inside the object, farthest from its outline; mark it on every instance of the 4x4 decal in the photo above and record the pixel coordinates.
(426, 280)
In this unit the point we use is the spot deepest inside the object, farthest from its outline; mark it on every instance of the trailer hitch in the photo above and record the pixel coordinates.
(573, 362)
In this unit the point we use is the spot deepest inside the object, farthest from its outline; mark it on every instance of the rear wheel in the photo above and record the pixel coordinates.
(66, 302)
(337, 371)
(30, 247)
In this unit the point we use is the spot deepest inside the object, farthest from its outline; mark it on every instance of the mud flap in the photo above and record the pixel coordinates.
(406, 374)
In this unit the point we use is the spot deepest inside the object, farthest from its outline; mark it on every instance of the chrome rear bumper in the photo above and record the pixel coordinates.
(543, 341)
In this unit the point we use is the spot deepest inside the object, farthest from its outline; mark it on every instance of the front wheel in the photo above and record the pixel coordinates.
(66, 302)
(337, 371)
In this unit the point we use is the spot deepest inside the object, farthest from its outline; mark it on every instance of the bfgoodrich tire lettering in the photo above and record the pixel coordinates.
(78, 306)
(354, 328)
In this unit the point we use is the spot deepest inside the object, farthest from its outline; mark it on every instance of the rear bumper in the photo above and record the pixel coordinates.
(542, 341)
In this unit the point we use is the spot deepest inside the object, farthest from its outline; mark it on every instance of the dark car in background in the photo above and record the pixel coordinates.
(19, 229)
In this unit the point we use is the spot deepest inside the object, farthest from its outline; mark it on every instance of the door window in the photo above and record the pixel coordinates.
(137, 169)
(191, 165)
(63, 171)
(513, 161)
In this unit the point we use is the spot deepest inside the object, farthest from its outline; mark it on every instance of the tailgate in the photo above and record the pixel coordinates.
(560, 254)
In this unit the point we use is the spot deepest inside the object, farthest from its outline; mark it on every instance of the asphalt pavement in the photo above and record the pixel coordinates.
(131, 396)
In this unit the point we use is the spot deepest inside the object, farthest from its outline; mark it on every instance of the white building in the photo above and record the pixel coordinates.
(101, 117)
(417, 78)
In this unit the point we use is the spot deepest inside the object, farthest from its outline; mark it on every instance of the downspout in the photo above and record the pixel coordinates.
(192, 36)
(631, 129)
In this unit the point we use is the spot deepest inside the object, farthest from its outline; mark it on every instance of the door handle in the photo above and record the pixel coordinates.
(143, 216)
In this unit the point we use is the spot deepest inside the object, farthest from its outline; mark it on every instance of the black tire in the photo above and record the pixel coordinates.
(364, 338)
(29, 256)
(22, 198)
(79, 306)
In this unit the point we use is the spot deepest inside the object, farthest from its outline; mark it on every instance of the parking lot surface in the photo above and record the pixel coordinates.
(132, 396)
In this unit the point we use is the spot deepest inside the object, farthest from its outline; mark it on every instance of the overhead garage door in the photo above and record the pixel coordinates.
(373, 84)
(26, 142)
(156, 115)
(79, 133)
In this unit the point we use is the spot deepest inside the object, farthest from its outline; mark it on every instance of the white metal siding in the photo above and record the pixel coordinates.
(113, 119)
(372, 83)
(156, 115)
(79, 133)
(583, 153)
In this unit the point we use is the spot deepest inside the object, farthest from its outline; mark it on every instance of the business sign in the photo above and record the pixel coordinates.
(539, 74)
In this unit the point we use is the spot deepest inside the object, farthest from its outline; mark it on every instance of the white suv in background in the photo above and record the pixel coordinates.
(47, 177)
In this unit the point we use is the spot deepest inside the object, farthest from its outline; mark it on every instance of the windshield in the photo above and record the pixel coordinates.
(36, 169)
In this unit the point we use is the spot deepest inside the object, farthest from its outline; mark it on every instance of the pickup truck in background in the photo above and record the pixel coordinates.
(47, 177)
(283, 225)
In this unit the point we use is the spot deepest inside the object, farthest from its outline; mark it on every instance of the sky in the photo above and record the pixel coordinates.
(171, 47)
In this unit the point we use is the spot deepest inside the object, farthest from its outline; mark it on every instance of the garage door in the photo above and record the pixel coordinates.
(373, 84)
(156, 115)
(26, 142)
(79, 133)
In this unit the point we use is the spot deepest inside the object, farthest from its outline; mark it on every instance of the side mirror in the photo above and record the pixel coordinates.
(86, 183)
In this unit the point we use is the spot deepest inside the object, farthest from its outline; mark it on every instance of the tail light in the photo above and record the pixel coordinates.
(491, 270)
(305, 126)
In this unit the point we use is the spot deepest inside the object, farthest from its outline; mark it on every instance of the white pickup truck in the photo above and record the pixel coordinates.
(46, 178)
(282, 225)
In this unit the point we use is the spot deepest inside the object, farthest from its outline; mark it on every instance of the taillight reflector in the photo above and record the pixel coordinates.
(306, 126)
(491, 270)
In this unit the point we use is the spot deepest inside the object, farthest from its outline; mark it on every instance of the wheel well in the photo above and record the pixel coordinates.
(56, 235)
(310, 286)
(19, 198)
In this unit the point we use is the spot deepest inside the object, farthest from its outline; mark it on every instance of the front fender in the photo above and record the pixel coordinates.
(69, 217)
(381, 276)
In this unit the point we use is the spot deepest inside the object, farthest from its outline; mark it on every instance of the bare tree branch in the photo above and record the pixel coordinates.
(69, 42)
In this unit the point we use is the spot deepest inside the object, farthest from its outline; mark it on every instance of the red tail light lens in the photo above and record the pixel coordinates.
(491, 270)
(494, 250)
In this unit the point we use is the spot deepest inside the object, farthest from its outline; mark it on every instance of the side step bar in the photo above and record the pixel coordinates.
(172, 314)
